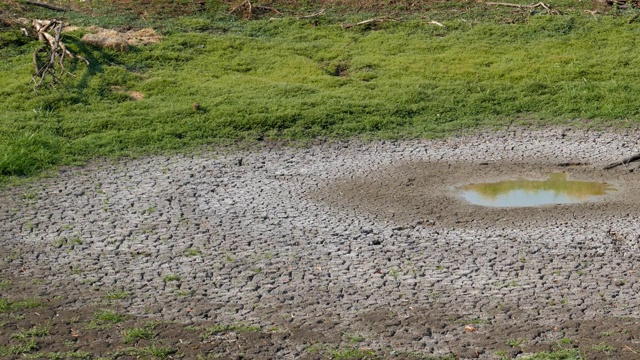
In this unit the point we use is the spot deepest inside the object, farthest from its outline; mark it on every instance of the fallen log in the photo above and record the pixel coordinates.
(626, 161)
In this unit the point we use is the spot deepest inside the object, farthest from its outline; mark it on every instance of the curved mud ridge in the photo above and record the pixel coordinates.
(348, 238)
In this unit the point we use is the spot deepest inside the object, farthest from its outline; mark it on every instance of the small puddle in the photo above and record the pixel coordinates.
(527, 193)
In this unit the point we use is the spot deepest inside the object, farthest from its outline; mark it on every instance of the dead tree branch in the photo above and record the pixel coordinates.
(626, 161)
(52, 64)
(46, 6)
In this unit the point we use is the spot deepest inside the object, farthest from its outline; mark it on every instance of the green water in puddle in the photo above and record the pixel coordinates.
(527, 193)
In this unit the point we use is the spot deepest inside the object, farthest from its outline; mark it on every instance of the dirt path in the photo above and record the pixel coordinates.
(342, 249)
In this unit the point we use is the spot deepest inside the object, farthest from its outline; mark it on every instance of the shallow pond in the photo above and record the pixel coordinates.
(557, 189)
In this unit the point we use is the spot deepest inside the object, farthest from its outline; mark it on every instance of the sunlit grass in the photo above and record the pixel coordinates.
(288, 79)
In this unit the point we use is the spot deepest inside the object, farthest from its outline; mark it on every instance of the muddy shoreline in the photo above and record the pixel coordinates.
(348, 237)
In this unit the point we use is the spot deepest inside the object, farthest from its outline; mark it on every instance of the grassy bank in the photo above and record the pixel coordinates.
(289, 78)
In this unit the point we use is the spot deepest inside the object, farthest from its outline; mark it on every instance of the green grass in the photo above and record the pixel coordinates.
(139, 333)
(221, 328)
(565, 354)
(117, 295)
(108, 316)
(352, 353)
(10, 306)
(35, 331)
(300, 79)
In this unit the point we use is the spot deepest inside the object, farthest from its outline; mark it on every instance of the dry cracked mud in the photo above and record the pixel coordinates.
(334, 250)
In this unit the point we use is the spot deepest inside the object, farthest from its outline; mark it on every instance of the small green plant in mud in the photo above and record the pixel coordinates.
(183, 293)
(353, 338)
(171, 277)
(117, 295)
(516, 342)
(353, 353)
(602, 347)
(138, 333)
(4, 284)
(394, 273)
(30, 195)
(221, 328)
(35, 331)
(29, 303)
(20, 349)
(192, 251)
(564, 354)
(108, 316)
(138, 352)
(82, 355)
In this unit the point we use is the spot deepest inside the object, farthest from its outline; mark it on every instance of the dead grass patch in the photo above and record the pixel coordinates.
(120, 41)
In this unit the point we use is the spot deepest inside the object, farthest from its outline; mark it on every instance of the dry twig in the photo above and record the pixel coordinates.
(533, 6)
(321, 12)
(365, 22)
(46, 6)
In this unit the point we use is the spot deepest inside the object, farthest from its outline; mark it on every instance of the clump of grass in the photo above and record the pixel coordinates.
(6, 305)
(353, 353)
(19, 349)
(138, 333)
(564, 354)
(193, 251)
(171, 277)
(153, 350)
(117, 295)
(35, 331)
(109, 316)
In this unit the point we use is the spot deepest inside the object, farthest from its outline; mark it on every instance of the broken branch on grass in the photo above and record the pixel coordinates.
(365, 22)
(520, 6)
(321, 12)
(46, 6)
(626, 161)
(435, 23)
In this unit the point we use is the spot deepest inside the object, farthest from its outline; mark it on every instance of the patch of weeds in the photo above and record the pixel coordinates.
(564, 341)
(30, 195)
(268, 256)
(315, 348)
(220, 328)
(61, 355)
(171, 277)
(183, 292)
(29, 303)
(96, 325)
(515, 342)
(353, 353)
(192, 251)
(257, 270)
(139, 333)
(23, 348)
(439, 267)
(151, 210)
(564, 354)
(60, 242)
(394, 272)
(478, 321)
(117, 295)
(109, 316)
(353, 338)
(159, 352)
(602, 347)
(4, 284)
(35, 331)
